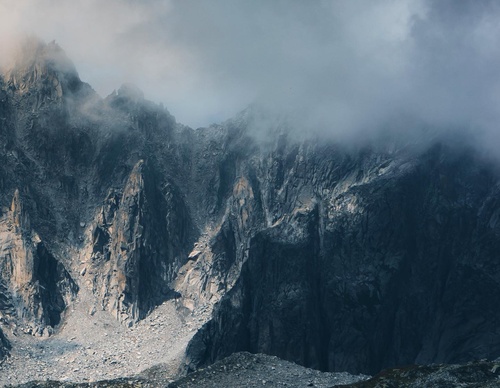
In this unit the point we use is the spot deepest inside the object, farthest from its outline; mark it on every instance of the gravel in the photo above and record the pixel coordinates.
(259, 370)
(96, 347)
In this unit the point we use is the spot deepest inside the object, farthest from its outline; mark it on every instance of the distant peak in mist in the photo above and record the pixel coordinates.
(131, 91)
(34, 58)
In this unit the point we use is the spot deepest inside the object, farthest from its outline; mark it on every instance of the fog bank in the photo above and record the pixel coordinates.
(341, 68)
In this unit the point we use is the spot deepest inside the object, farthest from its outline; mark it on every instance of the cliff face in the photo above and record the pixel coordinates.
(37, 288)
(383, 265)
(139, 240)
(337, 258)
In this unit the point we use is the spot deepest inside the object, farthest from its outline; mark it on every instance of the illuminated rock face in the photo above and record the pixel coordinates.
(36, 287)
(136, 246)
(338, 258)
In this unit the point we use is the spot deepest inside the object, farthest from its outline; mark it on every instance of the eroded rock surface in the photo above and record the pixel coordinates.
(138, 243)
(338, 258)
(36, 287)
(367, 263)
(4, 345)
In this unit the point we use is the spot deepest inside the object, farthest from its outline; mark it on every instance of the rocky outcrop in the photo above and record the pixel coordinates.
(37, 288)
(215, 263)
(4, 345)
(44, 71)
(138, 243)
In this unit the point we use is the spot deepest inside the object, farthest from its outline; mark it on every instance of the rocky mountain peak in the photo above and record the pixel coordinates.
(43, 67)
(130, 91)
(127, 98)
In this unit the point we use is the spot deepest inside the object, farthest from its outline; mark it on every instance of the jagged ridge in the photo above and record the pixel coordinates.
(337, 258)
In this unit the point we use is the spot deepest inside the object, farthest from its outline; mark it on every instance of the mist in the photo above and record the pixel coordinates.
(341, 68)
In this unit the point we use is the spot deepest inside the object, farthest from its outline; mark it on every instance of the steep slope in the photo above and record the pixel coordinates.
(138, 243)
(339, 258)
(4, 345)
(39, 286)
(390, 262)
(74, 155)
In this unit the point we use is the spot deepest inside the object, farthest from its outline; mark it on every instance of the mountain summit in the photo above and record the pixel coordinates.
(42, 67)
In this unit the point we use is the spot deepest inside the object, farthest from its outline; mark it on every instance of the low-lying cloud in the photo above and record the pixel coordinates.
(340, 67)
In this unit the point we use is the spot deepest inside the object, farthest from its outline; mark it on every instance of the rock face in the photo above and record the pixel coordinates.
(4, 345)
(339, 258)
(138, 243)
(382, 265)
(37, 288)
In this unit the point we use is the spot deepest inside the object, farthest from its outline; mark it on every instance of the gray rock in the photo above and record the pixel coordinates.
(4, 345)
(336, 258)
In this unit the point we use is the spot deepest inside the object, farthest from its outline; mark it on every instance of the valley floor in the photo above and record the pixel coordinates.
(95, 347)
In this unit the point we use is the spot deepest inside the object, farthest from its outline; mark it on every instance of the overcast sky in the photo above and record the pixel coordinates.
(341, 65)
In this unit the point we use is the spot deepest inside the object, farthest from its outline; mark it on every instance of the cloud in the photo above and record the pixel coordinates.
(338, 67)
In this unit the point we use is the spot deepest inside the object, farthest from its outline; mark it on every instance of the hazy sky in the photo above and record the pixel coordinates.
(341, 65)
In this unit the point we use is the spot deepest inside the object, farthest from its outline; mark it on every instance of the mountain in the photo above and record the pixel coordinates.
(340, 258)
(368, 262)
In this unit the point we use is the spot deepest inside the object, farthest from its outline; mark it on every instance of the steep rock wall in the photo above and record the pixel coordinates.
(386, 269)
(340, 258)
(37, 288)
(139, 241)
